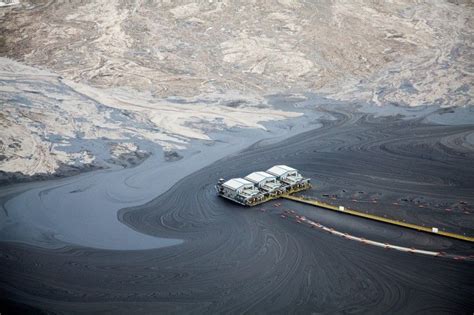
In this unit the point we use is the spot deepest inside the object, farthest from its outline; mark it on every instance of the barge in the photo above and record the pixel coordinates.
(260, 187)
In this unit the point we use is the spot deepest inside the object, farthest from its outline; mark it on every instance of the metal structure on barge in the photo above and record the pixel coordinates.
(259, 187)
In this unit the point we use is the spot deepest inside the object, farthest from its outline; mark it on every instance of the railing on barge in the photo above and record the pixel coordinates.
(267, 196)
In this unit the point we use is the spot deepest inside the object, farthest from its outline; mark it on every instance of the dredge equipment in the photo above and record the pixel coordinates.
(260, 187)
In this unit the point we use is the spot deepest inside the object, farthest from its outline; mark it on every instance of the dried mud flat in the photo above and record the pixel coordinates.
(386, 52)
(236, 260)
(52, 127)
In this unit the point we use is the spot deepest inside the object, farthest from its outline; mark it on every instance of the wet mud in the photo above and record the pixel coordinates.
(235, 260)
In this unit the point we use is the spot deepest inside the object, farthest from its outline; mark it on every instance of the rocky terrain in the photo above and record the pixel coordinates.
(171, 71)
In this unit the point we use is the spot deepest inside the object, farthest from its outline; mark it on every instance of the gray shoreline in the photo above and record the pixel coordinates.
(54, 213)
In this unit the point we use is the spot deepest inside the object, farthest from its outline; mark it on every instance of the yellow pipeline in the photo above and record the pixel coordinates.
(377, 218)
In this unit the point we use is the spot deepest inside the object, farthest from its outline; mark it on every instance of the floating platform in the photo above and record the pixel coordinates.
(260, 187)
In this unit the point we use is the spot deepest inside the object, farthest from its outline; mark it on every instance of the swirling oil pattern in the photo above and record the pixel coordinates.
(255, 260)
